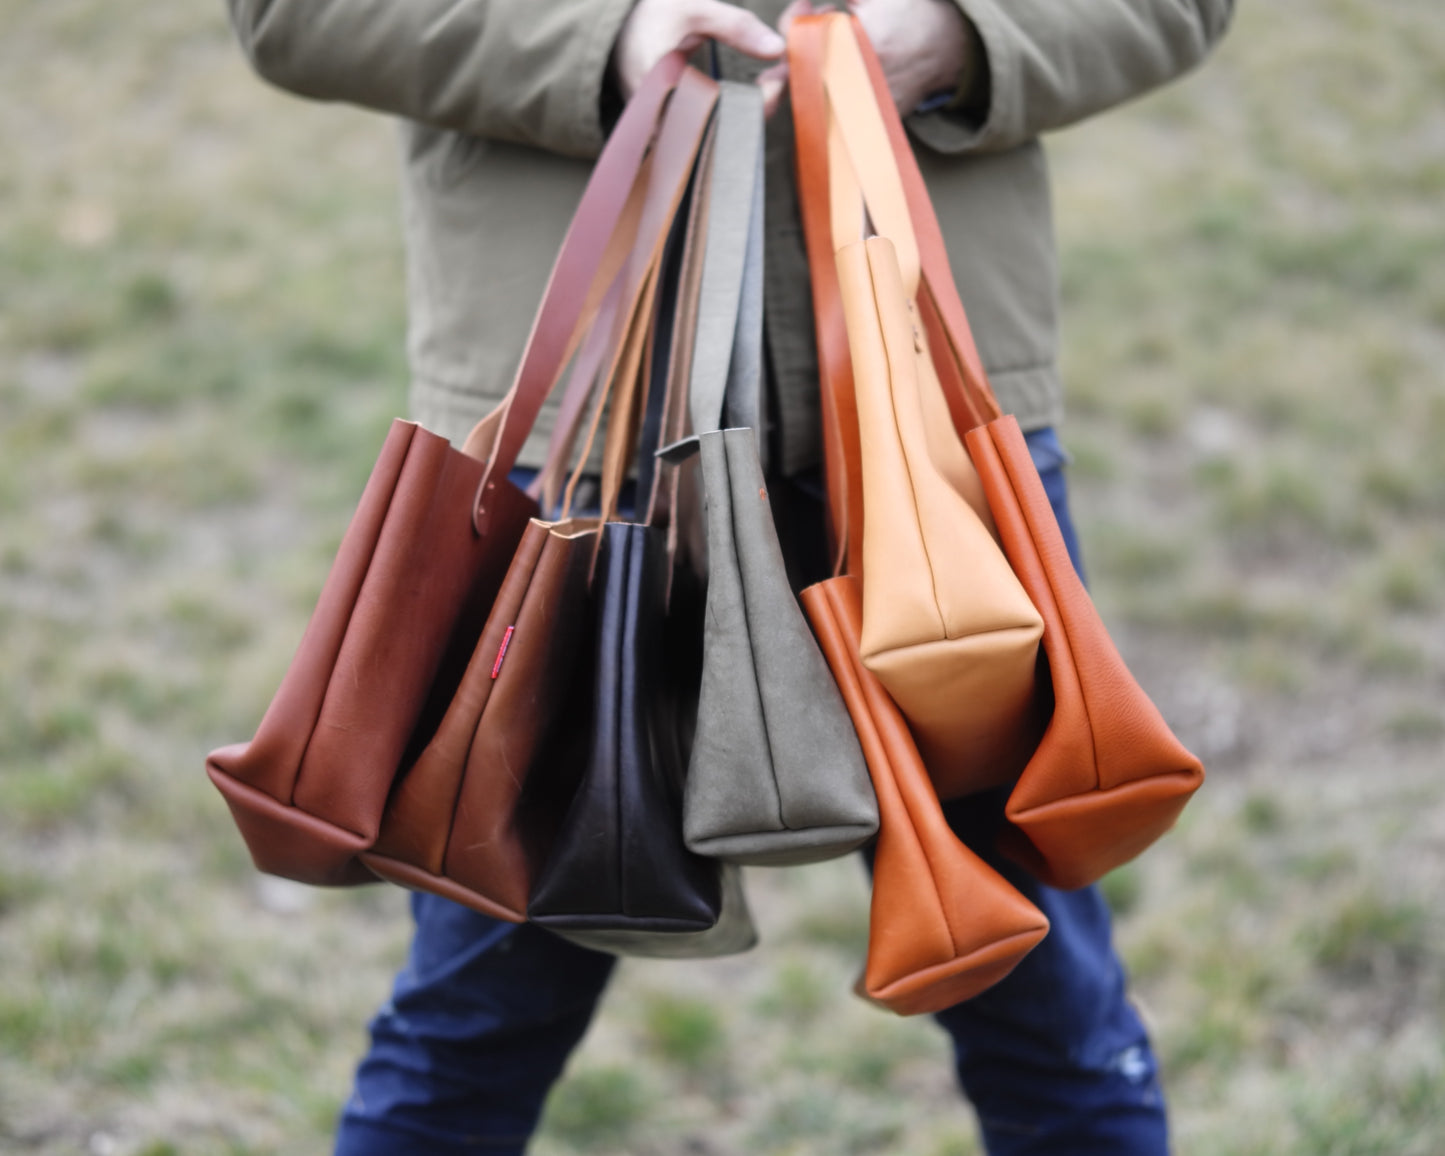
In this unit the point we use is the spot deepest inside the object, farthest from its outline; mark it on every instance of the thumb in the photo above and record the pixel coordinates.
(736, 27)
(772, 81)
(792, 12)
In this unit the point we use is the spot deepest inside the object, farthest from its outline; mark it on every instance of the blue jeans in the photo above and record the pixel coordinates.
(484, 1015)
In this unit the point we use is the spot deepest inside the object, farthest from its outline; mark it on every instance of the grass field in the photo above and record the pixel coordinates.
(200, 349)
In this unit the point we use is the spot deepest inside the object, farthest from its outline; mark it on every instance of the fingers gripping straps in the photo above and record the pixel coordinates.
(556, 331)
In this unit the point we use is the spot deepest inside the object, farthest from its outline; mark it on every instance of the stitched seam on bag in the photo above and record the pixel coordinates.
(753, 666)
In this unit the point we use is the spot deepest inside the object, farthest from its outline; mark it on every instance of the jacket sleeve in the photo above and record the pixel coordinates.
(515, 70)
(1054, 62)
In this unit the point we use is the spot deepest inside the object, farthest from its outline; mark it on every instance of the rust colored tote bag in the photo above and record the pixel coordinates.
(419, 569)
(1108, 777)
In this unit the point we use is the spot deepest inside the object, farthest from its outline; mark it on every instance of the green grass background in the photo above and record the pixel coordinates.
(200, 348)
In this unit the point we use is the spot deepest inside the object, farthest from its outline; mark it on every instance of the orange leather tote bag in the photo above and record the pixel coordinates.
(943, 925)
(419, 571)
(1108, 776)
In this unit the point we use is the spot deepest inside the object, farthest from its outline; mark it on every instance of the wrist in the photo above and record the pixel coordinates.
(966, 88)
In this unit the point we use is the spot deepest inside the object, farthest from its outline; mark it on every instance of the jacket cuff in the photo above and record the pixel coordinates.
(589, 112)
(974, 121)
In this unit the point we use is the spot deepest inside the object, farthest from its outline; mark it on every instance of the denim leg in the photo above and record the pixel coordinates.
(1054, 1058)
(480, 1023)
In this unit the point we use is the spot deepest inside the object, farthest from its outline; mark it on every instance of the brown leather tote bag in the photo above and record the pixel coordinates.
(1108, 776)
(419, 569)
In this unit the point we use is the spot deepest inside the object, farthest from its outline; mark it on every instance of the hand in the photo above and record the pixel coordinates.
(925, 46)
(656, 27)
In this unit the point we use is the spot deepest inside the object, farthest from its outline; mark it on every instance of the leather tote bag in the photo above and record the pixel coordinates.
(620, 877)
(776, 774)
(419, 569)
(1108, 776)
(947, 626)
(944, 925)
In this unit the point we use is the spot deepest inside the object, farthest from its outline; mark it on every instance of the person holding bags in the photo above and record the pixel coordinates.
(502, 103)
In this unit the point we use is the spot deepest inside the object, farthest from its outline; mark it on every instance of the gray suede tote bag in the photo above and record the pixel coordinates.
(776, 774)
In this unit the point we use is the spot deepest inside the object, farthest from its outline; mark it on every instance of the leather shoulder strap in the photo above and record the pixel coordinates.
(941, 291)
(554, 331)
(597, 349)
(727, 355)
(807, 50)
(676, 151)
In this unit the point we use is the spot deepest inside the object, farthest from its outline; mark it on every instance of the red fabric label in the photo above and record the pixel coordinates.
(502, 651)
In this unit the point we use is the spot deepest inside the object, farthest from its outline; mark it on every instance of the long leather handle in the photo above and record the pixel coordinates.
(674, 358)
(852, 148)
(807, 51)
(678, 146)
(861, 159)
(583, 251)
(937, 274)
(727, 347)
(597, 348)
(554, 332)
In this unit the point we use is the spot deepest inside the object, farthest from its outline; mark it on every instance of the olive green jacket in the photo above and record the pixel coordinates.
(500, 108)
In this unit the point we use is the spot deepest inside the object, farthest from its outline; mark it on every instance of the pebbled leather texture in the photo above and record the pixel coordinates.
(943, 925)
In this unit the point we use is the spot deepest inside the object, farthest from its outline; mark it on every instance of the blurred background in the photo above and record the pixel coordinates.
(200, 350)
